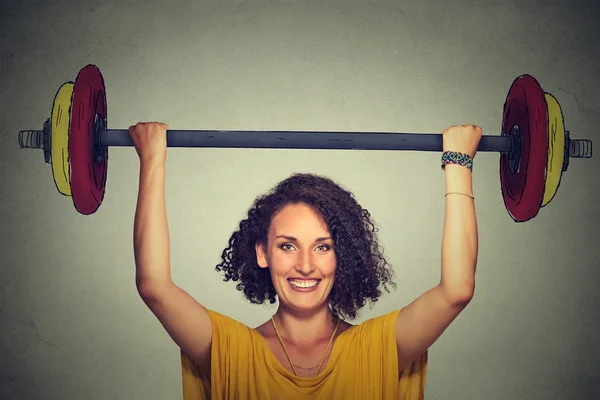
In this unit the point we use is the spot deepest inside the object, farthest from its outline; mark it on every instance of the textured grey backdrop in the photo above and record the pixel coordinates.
(72, 324)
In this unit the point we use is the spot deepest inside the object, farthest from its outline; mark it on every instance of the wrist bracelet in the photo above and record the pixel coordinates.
(464, 194)
(453, 157)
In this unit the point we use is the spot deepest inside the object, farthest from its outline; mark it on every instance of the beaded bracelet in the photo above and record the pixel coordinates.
(453, 157)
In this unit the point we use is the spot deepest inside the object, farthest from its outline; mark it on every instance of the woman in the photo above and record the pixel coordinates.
(310, 245)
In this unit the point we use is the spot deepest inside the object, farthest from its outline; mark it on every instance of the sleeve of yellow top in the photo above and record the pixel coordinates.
(460, 238)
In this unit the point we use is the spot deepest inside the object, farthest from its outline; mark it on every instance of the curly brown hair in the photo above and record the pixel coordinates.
(361, 268)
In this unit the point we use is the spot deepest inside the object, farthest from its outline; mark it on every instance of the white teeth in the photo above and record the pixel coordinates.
(303, 283)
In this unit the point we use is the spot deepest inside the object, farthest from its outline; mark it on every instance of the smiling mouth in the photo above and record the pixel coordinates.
(304, 283)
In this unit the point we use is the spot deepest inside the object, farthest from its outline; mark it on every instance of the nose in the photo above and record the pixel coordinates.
(305, 263)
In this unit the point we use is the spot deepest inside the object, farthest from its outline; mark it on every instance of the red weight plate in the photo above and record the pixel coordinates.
(525, 107)
(88, 175)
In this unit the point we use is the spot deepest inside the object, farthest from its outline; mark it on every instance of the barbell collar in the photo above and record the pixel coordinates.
(32, 139)
(580, 148)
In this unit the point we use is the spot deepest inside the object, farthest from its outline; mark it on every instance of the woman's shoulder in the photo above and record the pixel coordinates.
(383, 322)
(226, 325)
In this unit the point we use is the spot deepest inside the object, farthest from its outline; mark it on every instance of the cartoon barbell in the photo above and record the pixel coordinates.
(534, 146)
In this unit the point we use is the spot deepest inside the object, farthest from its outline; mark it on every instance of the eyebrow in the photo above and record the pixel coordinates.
(293, 239)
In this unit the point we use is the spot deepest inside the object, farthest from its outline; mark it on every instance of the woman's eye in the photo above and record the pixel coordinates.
(287, 246)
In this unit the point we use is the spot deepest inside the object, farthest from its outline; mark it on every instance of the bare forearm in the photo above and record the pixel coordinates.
(151, 233)
(460, 238)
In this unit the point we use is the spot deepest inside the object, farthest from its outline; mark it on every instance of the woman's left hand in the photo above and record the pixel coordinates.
(462, 138)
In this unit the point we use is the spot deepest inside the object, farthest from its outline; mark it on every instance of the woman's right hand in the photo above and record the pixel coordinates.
(150, 141)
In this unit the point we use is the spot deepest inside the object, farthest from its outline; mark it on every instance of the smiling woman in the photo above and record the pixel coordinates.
(284, 236)
(309, 245)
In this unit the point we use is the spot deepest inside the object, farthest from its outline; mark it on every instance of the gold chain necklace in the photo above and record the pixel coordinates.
(290, 358)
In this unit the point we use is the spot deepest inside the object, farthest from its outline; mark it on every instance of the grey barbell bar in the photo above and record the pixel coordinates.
(304, 140)
(576, 148)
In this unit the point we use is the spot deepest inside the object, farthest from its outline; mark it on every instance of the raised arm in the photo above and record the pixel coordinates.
(185, 320)
(423, 321)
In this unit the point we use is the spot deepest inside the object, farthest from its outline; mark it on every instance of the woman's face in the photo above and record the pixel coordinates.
(300, 257)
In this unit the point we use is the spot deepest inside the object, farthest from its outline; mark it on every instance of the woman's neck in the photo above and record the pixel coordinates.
(304, 329)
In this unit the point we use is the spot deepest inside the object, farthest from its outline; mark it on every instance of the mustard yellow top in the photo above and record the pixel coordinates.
(363, 365)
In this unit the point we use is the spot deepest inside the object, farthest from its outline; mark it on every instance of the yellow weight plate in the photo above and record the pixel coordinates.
(556, 148)
(61, 118)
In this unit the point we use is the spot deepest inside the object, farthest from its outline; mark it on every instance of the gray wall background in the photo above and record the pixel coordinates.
(72, 324)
